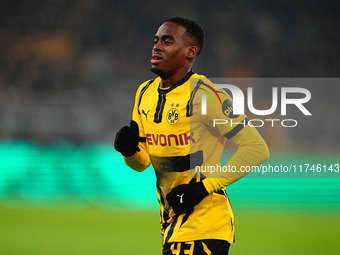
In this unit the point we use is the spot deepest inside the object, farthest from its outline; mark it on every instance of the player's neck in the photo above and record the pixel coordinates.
(169, 81)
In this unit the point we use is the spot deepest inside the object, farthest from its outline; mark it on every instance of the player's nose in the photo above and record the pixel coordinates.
(157, 47)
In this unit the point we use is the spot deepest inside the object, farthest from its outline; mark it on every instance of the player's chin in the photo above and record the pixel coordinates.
(156, 70)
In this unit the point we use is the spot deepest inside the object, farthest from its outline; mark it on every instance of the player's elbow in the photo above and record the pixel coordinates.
(137, 164)
(140, 168)
(265, 154)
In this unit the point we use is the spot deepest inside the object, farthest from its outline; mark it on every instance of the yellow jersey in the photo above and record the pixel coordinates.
(176, 138)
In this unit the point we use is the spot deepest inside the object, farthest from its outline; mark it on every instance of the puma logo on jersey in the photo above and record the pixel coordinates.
(170, 140)
(146, 114)
(181, 198)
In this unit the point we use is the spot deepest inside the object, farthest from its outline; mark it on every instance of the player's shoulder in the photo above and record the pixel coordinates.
(198, 76)
(202, 84)
(148, 83)
(201, 80)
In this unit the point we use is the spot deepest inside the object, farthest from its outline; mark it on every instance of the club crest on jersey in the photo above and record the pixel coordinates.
(172, 116)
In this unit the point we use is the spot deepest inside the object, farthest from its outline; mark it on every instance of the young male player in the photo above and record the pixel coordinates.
(169, 132)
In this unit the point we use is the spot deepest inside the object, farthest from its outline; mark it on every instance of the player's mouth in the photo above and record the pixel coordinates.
(156, 59)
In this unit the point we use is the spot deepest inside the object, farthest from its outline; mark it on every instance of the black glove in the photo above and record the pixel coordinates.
(127, 139)
(184, 197)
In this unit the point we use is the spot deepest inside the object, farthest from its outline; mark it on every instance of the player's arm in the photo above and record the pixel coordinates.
(130, 141)
(130, 145)
(252, 150)
(140, 160)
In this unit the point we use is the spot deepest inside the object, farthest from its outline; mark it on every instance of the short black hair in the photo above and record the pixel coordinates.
(194, 30)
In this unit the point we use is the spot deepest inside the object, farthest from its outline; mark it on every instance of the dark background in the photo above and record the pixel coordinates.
(69, 69)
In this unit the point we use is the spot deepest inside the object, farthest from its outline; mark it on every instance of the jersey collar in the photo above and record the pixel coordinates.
(176, 84)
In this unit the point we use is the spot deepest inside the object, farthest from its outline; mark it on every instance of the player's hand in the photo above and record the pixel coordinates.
(127, 139)
(184, 197)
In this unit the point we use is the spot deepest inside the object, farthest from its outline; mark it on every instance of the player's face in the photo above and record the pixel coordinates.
(171, 50)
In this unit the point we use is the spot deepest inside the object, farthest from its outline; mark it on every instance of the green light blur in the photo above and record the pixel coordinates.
(96, 174)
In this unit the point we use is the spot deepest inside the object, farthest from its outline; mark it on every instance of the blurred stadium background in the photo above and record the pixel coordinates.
(68, 75)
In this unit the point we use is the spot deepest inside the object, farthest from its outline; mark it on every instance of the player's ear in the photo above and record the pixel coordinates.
(192, 52)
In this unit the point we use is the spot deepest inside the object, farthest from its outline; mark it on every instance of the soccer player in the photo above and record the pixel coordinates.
(168, 131)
